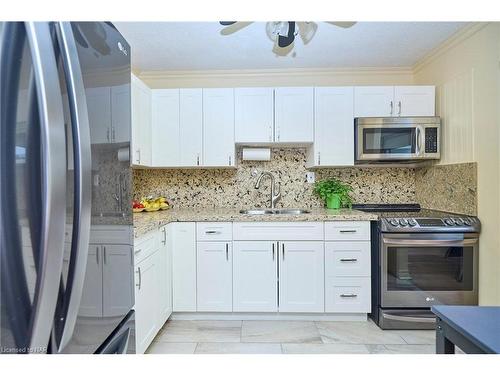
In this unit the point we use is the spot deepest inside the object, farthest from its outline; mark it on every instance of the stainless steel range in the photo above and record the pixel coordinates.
(421, 258)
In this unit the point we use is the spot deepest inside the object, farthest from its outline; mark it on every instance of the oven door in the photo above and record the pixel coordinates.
(421, 270)
(375, 142)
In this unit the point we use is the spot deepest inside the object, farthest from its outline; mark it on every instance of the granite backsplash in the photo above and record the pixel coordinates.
(234, 188)
(450, 187)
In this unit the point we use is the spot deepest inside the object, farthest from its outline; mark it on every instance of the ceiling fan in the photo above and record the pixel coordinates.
(283, 33)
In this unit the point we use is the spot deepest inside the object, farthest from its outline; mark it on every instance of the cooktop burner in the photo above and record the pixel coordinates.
(413, 218)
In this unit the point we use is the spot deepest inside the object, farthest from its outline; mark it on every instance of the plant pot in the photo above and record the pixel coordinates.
(333, 201)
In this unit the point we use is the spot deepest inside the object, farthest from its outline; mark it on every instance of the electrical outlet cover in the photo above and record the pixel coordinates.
(310, 177)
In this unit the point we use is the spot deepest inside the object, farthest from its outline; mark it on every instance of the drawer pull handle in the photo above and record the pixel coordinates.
(212, 232)
(348, 231)
(227, 252)
(348, 295)
(347, 260)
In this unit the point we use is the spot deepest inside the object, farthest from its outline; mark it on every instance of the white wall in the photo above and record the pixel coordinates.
(466, 71)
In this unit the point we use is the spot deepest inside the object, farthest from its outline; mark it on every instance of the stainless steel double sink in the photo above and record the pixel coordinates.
(275, 211)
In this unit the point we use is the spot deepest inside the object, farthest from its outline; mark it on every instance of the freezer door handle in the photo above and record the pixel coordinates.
(82, 182)
(53, 140)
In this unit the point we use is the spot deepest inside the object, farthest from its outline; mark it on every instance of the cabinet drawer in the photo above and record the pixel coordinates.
(347, 231)
(214, 231)
(111, 234)
(348, 295)
(344, 258)
(145, 245)
(281, 231)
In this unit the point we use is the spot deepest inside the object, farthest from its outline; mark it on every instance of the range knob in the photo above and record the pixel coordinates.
(449, 221)
(467, 222)
(393, 222)
(403, 222)
(412, 222)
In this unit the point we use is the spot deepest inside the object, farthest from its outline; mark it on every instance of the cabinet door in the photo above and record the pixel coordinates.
(146, 301)
(414, 100)
(99, 108)
(165, 276)
(334, 126)
(184, 271)
(91, 302)
(255, 276)
(191, 127)
(294, 115)
(218, 127)
(214, 276)
(165, 128)
(254, 108)
(301, 275)
(118, 266)
(141, 123)
(374, 101)
(120, 113)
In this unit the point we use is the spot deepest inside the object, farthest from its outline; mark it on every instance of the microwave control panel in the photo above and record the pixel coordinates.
(431, 140)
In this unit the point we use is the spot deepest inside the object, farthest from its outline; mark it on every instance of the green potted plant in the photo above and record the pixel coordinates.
(334, 192)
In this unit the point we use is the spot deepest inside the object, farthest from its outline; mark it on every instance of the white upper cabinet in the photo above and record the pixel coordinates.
(254, 108)
(393, 101)
(333, 127)
(191, 125)
(294, 116)
(255, 291)
(374, 101)
(141, 123)
(214, 276)
(302, 283)
(99, 109)
(165, 128)
(218, 127)
(120, 113)
(414, 100)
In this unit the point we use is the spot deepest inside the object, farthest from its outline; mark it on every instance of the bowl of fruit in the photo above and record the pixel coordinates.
(150, 204)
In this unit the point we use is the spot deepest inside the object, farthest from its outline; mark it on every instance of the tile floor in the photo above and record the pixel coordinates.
(287, 337)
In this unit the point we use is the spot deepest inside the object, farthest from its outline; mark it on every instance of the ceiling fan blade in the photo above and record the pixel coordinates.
(227, 23)
(285, 41)
(234, 27)
(344, 25)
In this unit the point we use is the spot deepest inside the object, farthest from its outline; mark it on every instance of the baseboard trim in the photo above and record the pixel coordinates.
(354, 317)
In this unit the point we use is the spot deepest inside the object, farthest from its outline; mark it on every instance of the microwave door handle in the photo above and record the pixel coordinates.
(82, 162)
(418, 143)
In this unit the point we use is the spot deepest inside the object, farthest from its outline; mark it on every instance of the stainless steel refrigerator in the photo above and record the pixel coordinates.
(65, 184)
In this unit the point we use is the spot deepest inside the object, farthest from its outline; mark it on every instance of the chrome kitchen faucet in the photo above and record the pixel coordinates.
(275, 188)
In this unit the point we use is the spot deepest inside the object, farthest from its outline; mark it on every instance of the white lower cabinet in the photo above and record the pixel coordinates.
(301, 276)
(184, 266)
(255, 275)
(214, 276)
(147, 296)
(347, 295)
(153, 285)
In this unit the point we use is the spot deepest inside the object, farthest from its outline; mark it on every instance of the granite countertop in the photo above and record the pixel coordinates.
(148, 221)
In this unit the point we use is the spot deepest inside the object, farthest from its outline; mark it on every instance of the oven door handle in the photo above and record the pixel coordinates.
(397, 242)
(409, 319)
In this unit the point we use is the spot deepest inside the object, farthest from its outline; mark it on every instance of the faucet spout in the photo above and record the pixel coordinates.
(275, 188)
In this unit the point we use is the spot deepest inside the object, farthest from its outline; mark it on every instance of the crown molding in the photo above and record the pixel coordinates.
(448, 44)
(249, 73)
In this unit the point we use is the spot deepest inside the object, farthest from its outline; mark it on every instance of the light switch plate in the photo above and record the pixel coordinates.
(310, 177)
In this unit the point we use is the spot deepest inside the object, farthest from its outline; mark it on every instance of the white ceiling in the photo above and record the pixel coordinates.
(201, 46)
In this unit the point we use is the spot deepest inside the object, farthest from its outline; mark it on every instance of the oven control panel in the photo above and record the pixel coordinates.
(426, 224)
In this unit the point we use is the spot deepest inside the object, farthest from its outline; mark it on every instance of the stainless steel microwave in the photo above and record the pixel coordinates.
(397, 139)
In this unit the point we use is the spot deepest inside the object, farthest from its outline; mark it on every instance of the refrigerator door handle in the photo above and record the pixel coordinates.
(83, 176)
(53, 140)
